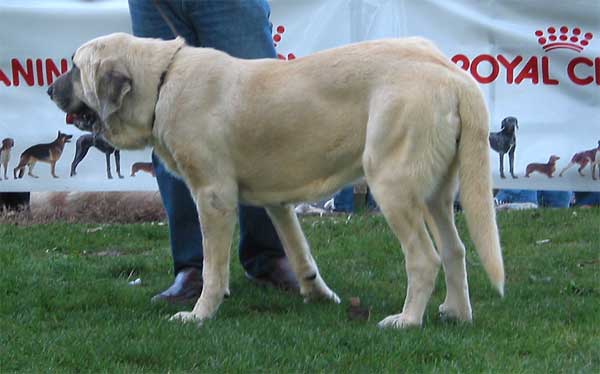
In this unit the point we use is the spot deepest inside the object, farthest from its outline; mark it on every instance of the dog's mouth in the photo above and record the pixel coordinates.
(83, 118)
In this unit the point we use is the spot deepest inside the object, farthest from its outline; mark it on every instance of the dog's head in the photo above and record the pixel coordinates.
(8, 143)
(112, 88)
(63, 138)
(553, 159)
(509, 124)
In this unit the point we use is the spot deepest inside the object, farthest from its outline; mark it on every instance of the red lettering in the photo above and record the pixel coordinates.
(18, 70)
(475, 65)
(464, 60)
(546, 72)
(597, 62)
(4, 79)
(510, 66)
(39, 72)
(530, 71)
(571, 71)
(52, 70)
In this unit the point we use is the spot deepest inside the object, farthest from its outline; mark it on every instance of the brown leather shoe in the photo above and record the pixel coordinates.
(186, 288)
(281, 276)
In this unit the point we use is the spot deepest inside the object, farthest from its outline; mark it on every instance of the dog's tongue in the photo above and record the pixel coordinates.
(70, 118)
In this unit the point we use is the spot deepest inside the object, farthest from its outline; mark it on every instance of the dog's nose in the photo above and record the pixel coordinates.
(50, 90)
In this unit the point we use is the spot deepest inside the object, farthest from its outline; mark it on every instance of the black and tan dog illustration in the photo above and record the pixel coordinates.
(583, 158)
(83, 145)
(505, 141)
(7, 145)
(47, 152)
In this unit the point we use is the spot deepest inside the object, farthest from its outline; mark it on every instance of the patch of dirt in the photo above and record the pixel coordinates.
(88, 207)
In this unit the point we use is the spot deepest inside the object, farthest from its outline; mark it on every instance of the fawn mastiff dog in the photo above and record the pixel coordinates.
(271, 133)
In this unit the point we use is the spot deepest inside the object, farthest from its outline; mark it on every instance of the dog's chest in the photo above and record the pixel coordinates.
(4, 155)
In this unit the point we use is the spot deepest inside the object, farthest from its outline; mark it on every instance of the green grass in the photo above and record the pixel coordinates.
(63, 307)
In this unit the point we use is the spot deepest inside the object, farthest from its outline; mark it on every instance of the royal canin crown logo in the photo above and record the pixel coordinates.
(565, 38)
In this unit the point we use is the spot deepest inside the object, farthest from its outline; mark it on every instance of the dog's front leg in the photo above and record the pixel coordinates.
(502, 165)
(217, 212)
(511, 161)
(118, 163)
(108, 174)
(297, 250)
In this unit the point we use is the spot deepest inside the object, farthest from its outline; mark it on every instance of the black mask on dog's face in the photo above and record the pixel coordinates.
(62, 92)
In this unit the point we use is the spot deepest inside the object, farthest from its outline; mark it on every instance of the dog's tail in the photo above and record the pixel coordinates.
(476, 183)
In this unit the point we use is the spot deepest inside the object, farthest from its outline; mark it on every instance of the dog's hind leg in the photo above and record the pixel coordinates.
(404, 213)
(297, 250)
(440, 221)
(217, 212)
(30, 172)
(399, 187)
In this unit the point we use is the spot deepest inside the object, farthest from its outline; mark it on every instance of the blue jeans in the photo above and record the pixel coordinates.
(343, 200)
(242, 29)
(587, 198)
(552, 199)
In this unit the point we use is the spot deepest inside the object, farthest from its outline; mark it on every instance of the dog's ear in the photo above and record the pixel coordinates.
(516, 123)
(504, 122)
(112, 84)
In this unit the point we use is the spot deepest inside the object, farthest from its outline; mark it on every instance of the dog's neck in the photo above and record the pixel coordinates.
(161, 82)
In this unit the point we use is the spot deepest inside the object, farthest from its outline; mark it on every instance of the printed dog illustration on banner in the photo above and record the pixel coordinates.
(83, 145)
(396, 111)
(48, 152)
(505, 141)
(5, 151)
(143, 166)
(591, 156)
(548, 168)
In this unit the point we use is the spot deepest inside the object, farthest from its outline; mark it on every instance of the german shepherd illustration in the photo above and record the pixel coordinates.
(591, 156)
(7, 145)
(48, 152)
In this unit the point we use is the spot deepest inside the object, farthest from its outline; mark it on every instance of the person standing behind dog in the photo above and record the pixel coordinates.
(242, 29)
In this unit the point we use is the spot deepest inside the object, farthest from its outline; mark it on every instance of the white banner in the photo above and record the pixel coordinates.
(536, 61)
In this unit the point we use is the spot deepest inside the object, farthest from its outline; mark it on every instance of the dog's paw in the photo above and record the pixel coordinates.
(325, 295)
(448, 313)
(187, 317)
(398, 321)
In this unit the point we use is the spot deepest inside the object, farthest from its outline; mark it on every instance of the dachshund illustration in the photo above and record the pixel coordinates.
(505, 141)
(548, 168)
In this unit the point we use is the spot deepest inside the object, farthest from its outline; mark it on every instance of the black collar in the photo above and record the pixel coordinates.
(163, 77)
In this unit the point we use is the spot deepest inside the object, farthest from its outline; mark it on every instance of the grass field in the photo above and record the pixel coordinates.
(66, 304)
